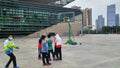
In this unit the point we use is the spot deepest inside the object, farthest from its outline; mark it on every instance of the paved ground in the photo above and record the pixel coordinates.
(96, 51)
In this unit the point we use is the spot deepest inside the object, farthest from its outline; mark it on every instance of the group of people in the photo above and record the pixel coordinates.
(45, 49)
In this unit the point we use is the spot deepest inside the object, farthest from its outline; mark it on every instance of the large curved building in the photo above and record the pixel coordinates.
(51, 2)
(23, 18)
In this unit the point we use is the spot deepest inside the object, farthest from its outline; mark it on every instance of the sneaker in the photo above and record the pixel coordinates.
(49, 64)
(45, 64)
(16, 67)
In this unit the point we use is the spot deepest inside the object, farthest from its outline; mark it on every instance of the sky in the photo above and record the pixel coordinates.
(99, 7)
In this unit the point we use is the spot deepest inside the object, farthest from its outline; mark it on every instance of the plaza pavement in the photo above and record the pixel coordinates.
(96, 51)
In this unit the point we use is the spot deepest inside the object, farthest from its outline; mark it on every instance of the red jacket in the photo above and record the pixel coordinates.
(39, 45)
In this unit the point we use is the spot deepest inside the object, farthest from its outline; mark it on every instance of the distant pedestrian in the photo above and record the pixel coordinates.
(39, 48)
(8, 47)
(50, 47)
(58, 47)
(44, 51)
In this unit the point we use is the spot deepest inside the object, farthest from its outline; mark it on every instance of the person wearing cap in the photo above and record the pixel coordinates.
(8, 47)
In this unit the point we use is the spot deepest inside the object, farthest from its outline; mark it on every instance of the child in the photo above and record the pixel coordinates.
(39, 48)
(8, 47)
(50, 47)
(58, 46)
(44, 51)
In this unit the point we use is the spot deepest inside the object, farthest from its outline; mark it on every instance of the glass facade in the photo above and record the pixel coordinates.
(100, 22)
(111, 15)
(20, 18)
(117, 19)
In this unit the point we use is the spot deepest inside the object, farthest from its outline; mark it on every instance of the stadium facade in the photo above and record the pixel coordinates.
(23, 18)
(51, 2)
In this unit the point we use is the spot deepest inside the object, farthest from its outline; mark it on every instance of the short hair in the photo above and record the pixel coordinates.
(10, 35)
(49, 36)
(43, 37)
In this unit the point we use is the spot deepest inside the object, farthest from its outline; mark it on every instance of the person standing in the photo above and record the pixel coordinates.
(44, 51)
(58, 46)
(50, 47)
(8, 47)
(39, 48)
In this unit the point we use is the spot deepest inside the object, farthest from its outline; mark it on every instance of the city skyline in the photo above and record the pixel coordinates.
(99, 7)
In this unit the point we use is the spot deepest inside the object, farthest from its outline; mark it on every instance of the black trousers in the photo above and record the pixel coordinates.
(58, 53)
(39, 53)
(50, 51)
(45, 57)
(12, 58)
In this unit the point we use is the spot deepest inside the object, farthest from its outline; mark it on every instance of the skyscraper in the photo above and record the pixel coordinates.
(111, 15)
(100, 22)
(117, 20)
(87, 17)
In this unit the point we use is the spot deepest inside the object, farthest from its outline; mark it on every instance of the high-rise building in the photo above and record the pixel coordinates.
(87, 17)
(96, 23)
(117, 20)
(111, 15)
(100, 22)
